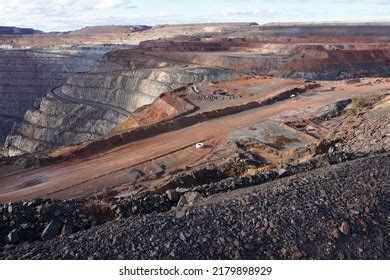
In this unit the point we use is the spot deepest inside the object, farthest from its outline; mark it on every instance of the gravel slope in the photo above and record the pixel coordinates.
(333, 213)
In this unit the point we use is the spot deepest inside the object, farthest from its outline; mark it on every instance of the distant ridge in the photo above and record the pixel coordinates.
(12, 30)
(329, 23)
(109, 29)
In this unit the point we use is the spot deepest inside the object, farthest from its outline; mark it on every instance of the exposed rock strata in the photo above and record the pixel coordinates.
(55, 123)
(26, 76)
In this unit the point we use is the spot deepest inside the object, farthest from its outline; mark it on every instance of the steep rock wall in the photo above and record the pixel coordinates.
(57, 122)
(26, 76)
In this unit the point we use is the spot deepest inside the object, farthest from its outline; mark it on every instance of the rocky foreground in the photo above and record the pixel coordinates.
(340, 212)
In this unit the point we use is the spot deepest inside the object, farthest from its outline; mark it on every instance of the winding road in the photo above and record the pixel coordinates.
(57, 92)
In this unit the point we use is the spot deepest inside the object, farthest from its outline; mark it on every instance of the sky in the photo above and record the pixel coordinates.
(63, 15)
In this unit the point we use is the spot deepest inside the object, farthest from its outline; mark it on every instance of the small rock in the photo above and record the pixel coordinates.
(8, 247)
(57, 212)
(135, 175)
(344, 228)
(134, 209)
(13, 237)
(297, 255)
(52, 229)
(182, 201)
(284, 252)
(10, 208)
(25, 226)
(282, 171)
(173, 195)
(192, 197)
(335, 234)
(180, 213)
(182, 190)
(160, 170)
(114, 207)
(66, 230)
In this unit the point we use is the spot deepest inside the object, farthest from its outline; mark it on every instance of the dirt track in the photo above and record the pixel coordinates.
(47, 181)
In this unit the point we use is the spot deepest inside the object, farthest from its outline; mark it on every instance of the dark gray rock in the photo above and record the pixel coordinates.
(173, 195)
(13, 237)
(160, 170)
(51, 230)
(332, 110)
(66, 230)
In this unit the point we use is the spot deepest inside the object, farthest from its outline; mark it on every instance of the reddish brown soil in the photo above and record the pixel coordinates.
(167, 106)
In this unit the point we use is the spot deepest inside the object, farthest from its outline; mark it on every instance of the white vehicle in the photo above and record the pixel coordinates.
(199, 145)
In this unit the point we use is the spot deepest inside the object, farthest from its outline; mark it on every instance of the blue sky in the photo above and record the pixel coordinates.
(61, 15)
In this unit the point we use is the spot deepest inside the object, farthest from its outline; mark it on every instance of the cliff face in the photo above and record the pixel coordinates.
(27, 75)
(93, 103)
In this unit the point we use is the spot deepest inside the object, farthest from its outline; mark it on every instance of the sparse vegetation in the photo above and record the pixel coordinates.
(358, 103)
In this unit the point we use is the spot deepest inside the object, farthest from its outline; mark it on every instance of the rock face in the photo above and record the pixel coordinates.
(27, 75)
(126, 85)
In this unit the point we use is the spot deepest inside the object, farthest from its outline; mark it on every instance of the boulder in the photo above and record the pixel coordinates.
(189, 198)
(51, 230)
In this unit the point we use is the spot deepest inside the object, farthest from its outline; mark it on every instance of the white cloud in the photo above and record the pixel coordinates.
(64, 2)
(111, 4)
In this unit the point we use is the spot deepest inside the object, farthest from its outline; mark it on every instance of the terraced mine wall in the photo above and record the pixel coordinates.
(292, 62)
(58, 122)
(27, 75)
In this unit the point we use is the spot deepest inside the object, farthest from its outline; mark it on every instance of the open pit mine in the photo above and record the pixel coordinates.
(204, 141)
